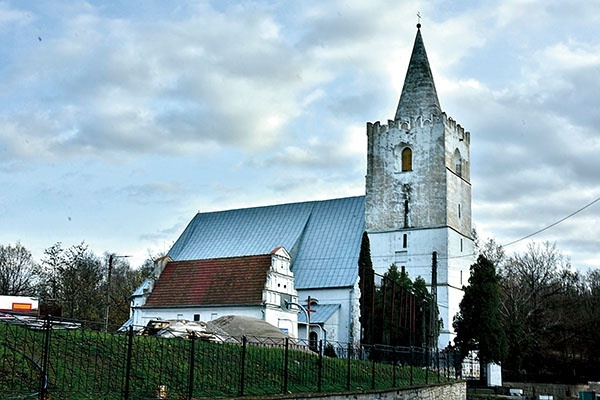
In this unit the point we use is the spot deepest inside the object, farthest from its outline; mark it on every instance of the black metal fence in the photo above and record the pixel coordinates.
(58, 359)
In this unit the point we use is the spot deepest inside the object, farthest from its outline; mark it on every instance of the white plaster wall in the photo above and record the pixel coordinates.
(283, 319)
(278, 318)
(347, 328)
(331, 325)
(387, 248)
(453, 264)
(143, 315)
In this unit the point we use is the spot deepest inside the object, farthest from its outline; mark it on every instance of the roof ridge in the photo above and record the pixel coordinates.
(280, 204)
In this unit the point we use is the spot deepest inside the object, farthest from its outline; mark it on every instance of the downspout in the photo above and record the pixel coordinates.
(350, 333)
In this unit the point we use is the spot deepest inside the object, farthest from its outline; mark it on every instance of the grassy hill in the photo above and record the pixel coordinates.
(83, 364)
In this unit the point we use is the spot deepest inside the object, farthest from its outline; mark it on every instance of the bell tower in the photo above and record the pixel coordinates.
(418, 190)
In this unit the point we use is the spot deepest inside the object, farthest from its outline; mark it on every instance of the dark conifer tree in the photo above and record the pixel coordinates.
(367, 290)
(479, 323)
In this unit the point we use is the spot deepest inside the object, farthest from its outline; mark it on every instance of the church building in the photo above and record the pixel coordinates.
(416, 211)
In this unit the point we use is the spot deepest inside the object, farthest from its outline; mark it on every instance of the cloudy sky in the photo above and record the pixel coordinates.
(120, 120)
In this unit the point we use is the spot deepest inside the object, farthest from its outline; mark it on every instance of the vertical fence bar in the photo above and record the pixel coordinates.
(320, 368)
(44, 374)
(438, 364)
(412, 363)
(395, 360)
(192, 363)
(427, 365)
(373, 356)
(243, 366)
(286, 365)
(349, 366)
(128, 362)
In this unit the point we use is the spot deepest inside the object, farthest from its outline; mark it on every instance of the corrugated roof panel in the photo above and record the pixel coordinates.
(328, 256)
(241, 232)
(323, 236)
(322, 313)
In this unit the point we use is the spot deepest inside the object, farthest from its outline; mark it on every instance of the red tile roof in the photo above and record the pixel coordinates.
(218, 281)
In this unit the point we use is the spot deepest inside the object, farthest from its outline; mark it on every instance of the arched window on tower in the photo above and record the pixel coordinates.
(406, 159)
(457, 162)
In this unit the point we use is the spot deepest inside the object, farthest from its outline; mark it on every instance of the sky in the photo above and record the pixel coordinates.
(119, 121)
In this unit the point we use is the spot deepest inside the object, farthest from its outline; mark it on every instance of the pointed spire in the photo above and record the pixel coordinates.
(419, 96)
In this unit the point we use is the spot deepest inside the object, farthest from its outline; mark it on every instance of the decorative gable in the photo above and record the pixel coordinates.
(279, 288)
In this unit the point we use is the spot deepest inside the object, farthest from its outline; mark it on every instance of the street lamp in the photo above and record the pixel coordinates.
(111, 257)
(291, 303)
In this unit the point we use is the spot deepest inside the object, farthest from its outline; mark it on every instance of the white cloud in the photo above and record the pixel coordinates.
(166, 109)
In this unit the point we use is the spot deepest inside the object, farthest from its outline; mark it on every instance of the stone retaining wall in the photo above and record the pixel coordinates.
(448, 391)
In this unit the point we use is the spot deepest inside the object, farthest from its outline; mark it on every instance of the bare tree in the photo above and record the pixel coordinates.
(73, 278)
(493, 252)
(18, 271)
(51, 266)
(532, 284)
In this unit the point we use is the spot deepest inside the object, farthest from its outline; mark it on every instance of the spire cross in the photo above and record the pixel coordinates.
(419, 16)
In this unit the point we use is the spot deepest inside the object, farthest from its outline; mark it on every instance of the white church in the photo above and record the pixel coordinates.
(256, 261)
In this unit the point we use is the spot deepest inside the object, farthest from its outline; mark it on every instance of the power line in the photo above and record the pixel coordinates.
(553, 224)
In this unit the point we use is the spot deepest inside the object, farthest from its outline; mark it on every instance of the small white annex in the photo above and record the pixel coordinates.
(258, 286)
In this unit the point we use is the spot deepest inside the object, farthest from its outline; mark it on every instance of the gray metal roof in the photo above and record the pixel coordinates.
(323, 238)
(141, 290)
(322, 313)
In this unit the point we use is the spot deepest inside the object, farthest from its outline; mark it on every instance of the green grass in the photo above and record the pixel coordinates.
(91, 365)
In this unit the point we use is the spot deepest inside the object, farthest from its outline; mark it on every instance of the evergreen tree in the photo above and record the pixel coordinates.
(479, 323)
(367, 290)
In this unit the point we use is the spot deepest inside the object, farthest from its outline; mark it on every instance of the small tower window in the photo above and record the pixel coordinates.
(404, 240)
(406, 159)
(457, 162)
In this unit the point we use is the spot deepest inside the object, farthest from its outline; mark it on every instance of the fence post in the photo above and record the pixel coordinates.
(349, 366)
(243, 366)
(373, 368)
(286, 365)
(412, 362)
(320, 367)
(395, 360)
(44, 375)
(192, 363)
(427, 365)
(128, 362)
(438, 363)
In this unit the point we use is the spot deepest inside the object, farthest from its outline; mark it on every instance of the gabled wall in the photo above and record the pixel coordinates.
(347, 328)
(278, 287)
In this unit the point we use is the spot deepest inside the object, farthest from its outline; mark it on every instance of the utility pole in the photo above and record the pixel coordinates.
(433, 305)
